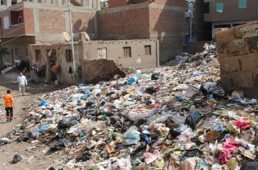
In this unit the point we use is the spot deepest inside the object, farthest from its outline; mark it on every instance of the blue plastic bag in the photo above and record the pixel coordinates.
(132, 80)
(43, 103)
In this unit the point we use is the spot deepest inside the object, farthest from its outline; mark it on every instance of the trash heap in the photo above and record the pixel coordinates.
(175, 117)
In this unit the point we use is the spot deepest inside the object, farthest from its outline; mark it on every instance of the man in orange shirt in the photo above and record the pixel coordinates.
(8, 101)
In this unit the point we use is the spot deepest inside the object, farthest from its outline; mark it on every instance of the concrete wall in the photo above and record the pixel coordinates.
(89, 50)
(64, 75)
(163, 20)
(17, 49)
(115, 51)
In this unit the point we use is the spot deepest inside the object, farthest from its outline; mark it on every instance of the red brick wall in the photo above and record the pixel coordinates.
(29, 21)
(23, 29)
(116, 3)
(231, 12)
(124, 24)
(171, 2)
(51, 21)
(169, 27)
(83, 22)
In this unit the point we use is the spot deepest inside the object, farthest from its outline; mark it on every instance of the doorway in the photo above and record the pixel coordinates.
(52, 58)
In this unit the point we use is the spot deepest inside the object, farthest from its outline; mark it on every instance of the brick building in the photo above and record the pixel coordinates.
(36, 22)
(32, 21)
(144, 19)
(117, 3)
(228, 13)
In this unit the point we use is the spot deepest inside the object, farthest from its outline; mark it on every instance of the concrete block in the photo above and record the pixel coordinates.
(237, 47)
(229, 65)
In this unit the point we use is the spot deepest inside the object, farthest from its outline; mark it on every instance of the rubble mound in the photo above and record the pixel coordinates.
(95, 71)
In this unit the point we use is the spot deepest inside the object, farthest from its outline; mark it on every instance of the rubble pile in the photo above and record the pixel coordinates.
(101, 70)
(175, 117)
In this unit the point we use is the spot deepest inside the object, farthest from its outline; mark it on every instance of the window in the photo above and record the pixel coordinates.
(242, 4)
(69, 55)
(127, 52)
(147, 49)
(219, 7)
(16, 17)
(6, 22)
(102, 53)
(14, 2)
(37, 55)
(39, 1)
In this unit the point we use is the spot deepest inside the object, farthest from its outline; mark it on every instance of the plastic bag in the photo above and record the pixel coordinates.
(132, 80)
(155, 76)
(43, 103)
(16, 158)
(243, 124)
(123, 164)
(250, 166)
(131, 136)
(67, 122)
(193, 119)
(43, 128)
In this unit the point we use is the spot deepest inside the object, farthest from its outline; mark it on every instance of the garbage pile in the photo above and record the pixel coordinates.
(175, 117)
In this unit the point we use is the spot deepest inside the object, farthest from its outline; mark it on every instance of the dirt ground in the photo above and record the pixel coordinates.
(32, 154)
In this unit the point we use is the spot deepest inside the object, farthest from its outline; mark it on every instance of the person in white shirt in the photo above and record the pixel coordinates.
(22, 81)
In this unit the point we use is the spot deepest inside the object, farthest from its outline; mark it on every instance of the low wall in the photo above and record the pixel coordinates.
(238, 56)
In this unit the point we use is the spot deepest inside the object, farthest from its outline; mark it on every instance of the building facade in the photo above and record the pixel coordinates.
(45, 21)
(229, 13)
(136, 54)
(163, 20)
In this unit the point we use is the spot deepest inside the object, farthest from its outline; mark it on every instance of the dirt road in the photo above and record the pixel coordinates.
(33, 154)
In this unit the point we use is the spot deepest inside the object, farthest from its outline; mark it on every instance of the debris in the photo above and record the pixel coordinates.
(16, 158)
(4, 141)
(250, 166)
(100, 70)
(170, 118)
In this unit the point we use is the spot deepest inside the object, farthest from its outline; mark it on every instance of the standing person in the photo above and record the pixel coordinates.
(22, 81)
(8, 102)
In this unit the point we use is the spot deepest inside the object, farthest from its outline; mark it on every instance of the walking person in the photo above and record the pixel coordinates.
(22, 81)
(8, 102)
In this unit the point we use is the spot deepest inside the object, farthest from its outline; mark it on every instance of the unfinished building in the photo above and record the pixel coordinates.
(44, 57)
(32, 21)
(163, 20)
